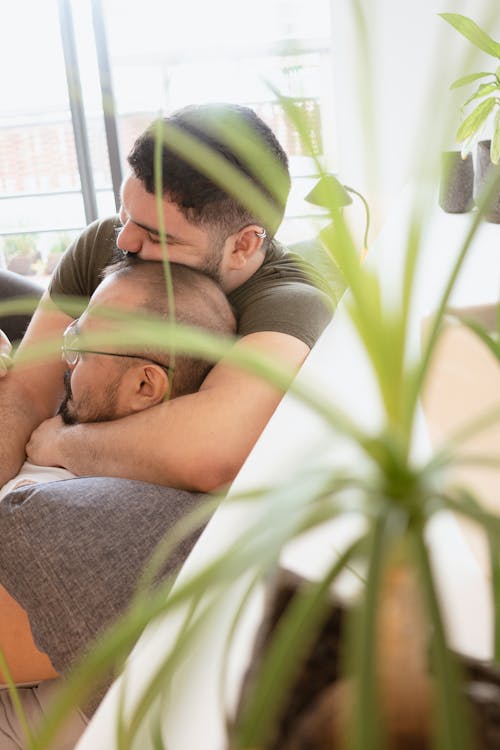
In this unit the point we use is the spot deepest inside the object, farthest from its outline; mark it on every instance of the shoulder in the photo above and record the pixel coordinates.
(284, 296)
(78, 271)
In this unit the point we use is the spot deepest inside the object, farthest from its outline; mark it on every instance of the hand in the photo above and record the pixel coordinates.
(5, 349)
(42, 447)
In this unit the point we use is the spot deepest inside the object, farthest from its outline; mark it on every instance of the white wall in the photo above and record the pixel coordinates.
(414, 56)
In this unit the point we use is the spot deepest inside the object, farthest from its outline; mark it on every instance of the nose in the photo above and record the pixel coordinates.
(129, 238)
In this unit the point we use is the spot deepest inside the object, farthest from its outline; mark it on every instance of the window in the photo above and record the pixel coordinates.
(171, 55)
(162, 56)
(40, 197)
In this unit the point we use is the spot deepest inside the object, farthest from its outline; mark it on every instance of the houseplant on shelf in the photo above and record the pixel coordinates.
(396, 493)
(456, 188)
(21, 253)
(482, 115)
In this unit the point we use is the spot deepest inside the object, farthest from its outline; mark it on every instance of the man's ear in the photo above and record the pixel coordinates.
(246, 243)
(147, 385)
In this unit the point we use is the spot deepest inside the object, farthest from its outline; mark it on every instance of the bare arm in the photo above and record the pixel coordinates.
(196, 442)
(30, 393)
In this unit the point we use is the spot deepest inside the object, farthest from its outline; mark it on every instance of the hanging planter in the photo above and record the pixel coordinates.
(484, 168)
(457, 183)
(481, 109)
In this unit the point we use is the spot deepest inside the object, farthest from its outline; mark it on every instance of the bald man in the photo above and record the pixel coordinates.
(102, 383)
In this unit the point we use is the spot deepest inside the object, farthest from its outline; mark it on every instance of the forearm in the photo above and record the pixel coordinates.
(28, 396)
(160, 445)
(18, 418)
(196, 442)
(30, 392)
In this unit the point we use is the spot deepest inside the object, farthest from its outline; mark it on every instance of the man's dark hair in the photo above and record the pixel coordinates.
(238, 135)
(199, 302)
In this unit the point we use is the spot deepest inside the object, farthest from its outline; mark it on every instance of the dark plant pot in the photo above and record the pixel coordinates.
(457, 183)
(297, 726)
(320, 669)
(484, 168)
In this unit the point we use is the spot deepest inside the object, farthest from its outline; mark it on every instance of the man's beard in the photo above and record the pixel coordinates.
(67, 416)
(211, 266)
(89, 411)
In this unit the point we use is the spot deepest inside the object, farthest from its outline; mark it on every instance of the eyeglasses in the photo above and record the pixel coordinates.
(71, 350)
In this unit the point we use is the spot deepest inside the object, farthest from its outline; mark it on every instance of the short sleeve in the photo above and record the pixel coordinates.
(285, 295)
(79, 270)
(295, 308)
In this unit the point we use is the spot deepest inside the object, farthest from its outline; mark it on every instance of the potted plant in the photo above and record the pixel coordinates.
(483, 114)
(20, 253)
(396, 495)
(456, 187)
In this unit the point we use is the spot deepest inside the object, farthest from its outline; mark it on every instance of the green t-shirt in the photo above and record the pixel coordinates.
(281, 296)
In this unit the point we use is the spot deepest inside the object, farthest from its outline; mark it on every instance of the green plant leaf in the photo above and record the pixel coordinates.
(476, 119)
(445, 456)
(158, 176)
(473, 33)
(229, 645)
(495, 141)
(492, 537)
(159, 682)
(294, 636)
(483, 90)
(16, 701)
(490, 338)
(454, 730)
(464, 504)
(464, 80)
(365, 726)
(495, 579)
(467, 146)
(486, 337)
(224, 174)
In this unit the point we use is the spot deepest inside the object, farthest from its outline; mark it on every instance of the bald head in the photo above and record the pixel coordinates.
(198, 300)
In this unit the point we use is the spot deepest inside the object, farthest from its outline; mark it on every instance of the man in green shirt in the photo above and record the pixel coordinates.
(279, 312)
(196, 442)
